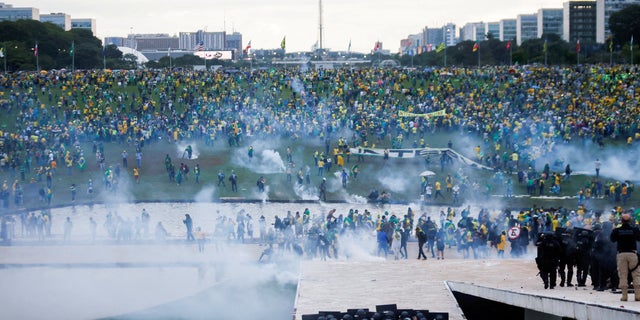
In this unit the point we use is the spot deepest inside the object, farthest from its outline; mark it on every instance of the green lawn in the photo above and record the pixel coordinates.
(400, 177)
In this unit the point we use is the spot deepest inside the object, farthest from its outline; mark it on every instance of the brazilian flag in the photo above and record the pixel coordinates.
(354, 170)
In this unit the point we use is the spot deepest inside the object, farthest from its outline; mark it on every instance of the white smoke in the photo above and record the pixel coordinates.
(265, 162)
(181, 150)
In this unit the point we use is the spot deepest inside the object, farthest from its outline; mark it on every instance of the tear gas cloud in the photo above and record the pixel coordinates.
(265, 161)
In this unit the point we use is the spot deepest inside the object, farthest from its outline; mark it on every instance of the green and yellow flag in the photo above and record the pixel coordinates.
(440, 47)
(283, 43)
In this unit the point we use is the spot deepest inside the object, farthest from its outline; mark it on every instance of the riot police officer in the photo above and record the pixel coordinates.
(549, 251)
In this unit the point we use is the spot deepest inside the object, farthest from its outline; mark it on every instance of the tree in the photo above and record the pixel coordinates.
(625, 23)
(53, 46)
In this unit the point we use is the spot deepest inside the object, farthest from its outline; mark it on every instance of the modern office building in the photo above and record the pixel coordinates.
(160, 42)
(449, 34)
(550, 21)
(84, 23)
(493, 28)
(526, 27)
(117, 41)
(604, 9)
(580, 21)
(435, 36)
(61, 20)
(9, 13)
(508, 29)
(210, 40)
(474, 31)
(233, 42)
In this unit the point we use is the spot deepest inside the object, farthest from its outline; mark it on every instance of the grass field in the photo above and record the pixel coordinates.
(399, 177)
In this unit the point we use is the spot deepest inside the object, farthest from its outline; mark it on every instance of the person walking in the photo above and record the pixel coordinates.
(323, 190)
(234, 181)
(422, 239)
(68, 226)
(626, 237)
(188, 222)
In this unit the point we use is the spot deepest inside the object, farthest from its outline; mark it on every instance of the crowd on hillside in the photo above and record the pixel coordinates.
(521, 110)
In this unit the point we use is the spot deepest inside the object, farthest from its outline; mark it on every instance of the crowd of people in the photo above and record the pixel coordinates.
(519, 112)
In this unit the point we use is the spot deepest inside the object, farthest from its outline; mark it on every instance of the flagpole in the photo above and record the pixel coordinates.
(611, 52)
(631, 49)
(445, 55)
(73, 56)
(37, 58)
(510, 56)
(478, 56)
(104, 58)
(546, 50)
(4, 55)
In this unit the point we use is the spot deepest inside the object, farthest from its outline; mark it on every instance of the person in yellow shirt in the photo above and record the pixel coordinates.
(502, 244)
(438, 190)
(136, 175)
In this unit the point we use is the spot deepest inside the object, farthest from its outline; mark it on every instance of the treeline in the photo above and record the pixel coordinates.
(550, 49)
(495, 52)
(56, 48)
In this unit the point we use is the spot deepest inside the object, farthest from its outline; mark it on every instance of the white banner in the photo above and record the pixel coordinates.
(210, 55)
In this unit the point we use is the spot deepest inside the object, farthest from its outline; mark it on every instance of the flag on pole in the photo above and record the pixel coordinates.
(508, 45)
(632, 40)
(169, 52)
(476, 46)
(283, 43)
(377, 46)
(35, 50)
(104, 51)
(610, 45)
(349, 47)
(2, 52)
(72, 49)
(578, 46)
(440, 47)
(200, 46)
(544, 46)
(246, 49)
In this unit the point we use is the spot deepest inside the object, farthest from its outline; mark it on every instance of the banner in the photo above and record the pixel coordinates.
(209, 55)
(439, 113)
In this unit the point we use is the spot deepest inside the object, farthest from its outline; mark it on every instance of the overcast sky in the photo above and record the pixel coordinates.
(266, 22)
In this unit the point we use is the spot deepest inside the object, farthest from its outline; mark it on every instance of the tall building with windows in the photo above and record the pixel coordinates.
(580, 21)
(210, 40)
(160, 42)
(117, 41)
(526, 27)
(61, 20)
(84, 23)
(474, 31)
(10, 13)
(493, 28)
(604, 10)
(550, 21)
(435, 36)
(233, 42)
(508, 29)
(449, 34)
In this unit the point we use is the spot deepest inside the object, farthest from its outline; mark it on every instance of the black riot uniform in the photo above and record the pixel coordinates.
(549, 252)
